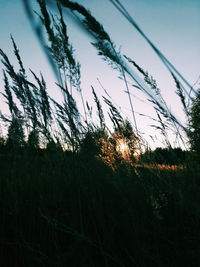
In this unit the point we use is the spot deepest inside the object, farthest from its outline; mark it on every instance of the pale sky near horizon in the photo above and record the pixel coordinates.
(173, 26)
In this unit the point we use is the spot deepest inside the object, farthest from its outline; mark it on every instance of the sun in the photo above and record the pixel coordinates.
(122, 147)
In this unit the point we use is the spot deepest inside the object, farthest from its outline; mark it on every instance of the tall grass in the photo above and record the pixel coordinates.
(71, 191)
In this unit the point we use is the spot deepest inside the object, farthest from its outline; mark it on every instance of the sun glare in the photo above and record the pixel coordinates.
(122, 147)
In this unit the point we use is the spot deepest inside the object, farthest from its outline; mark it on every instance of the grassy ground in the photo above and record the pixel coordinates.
(67, 209)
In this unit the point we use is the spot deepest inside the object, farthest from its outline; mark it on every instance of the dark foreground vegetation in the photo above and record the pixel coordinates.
(67, 209)
(74, 193)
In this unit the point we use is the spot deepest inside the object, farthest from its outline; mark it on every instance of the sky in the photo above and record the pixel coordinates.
(173, 26)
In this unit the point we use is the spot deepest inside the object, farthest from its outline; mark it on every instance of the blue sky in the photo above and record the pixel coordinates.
(173, 26)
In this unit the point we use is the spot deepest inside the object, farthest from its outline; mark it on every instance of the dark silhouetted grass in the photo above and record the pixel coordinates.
(63, 208)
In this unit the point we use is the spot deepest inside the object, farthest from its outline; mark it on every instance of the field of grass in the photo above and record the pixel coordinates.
(68, 209)
(74, 193)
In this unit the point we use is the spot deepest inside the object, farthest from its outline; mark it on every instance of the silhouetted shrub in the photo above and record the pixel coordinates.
(171, 156)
